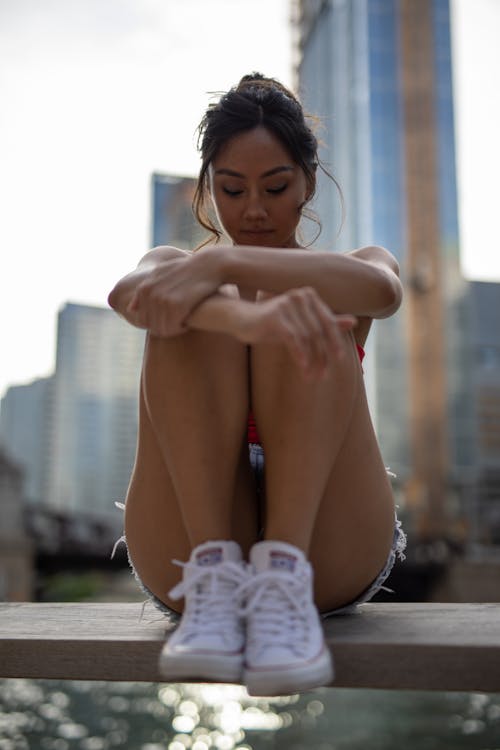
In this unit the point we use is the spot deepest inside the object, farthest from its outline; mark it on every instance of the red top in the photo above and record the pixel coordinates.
(253, 435)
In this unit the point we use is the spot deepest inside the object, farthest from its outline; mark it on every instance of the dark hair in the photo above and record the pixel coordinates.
(255, 101)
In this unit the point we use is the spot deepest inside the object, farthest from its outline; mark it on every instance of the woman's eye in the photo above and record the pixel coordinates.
(277, 190)
(228, 191)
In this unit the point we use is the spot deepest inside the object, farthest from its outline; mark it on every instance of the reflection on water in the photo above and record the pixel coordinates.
(54, 715)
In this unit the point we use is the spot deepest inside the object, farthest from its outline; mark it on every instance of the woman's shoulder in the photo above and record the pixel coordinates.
(378, 255)
(375, 254)
(163, 252)
(170, 250)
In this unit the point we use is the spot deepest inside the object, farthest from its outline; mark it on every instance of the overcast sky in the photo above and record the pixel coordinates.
(96, 95)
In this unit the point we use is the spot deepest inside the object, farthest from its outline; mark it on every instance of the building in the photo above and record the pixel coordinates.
(172, 220)
(74, 434)
(485, 506)
(26, 433)
(378, 75)
(96, 386)
(16, 549)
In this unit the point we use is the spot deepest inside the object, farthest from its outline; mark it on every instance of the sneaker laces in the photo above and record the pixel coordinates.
(211, 595)
(279, 607)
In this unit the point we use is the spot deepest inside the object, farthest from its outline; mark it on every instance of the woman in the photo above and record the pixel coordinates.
(258, 334)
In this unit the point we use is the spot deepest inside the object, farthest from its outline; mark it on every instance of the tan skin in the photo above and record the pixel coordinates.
(264, 324)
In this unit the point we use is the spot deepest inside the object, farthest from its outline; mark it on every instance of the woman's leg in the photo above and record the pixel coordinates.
(191, 480)
(327, 488)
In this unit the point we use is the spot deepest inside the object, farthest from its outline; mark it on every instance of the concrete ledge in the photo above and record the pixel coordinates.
(393, 646)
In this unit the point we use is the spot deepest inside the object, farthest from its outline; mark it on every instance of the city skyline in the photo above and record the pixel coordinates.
(77, 177)
(97, 97)
(383, 77)
(74, 434)
(77, 428)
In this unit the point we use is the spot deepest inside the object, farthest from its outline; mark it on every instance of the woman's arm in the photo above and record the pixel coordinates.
(164, 289)
(297, 319)
(364, 282)
(151, 296)
(169, 284)
(124, 291)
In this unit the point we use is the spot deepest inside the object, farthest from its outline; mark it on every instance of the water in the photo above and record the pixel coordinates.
(55, 715)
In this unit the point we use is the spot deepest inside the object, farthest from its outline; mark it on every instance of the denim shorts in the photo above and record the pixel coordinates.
(257, 463)
(397, 549)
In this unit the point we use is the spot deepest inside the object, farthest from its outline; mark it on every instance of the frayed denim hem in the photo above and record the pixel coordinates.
(397, 551)
(166, 610)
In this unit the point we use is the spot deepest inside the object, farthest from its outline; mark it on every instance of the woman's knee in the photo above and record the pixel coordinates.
(274, 366)
(197, 355)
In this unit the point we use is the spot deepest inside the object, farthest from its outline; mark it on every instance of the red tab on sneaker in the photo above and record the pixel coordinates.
(279, 560)
(209, 556)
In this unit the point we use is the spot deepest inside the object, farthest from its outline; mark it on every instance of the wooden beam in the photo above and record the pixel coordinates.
(393, 646)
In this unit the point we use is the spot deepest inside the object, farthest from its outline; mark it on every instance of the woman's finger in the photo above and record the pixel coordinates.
(324, 335)
(317, 319)
(308, 331)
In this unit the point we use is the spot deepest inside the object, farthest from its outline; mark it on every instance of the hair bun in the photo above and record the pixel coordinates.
(257, 80)
(253, 78)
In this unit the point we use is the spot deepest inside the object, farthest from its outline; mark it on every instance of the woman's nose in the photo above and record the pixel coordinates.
(255, 208)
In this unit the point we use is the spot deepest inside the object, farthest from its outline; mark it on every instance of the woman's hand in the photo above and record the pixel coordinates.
(301, 321)
(164, 299)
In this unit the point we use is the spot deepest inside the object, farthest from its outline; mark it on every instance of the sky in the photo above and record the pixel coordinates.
(95, 95)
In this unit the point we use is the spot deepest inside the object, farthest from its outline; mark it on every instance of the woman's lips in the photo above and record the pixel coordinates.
(256, 231)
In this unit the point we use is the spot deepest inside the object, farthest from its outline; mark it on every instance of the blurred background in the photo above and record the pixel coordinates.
(100, 100)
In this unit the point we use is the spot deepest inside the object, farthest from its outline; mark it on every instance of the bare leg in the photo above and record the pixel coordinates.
(191, 480)
(327, 489)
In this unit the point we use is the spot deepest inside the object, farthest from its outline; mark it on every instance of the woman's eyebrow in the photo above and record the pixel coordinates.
(274, 170)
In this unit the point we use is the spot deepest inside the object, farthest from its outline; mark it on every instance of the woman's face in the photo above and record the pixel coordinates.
(257, 190)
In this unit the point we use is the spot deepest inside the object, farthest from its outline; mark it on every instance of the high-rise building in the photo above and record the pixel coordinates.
(377, 73)
(173, 222)
(26, 433)
(16, 548)
(74, 434)
(95, 409)
(485, 339)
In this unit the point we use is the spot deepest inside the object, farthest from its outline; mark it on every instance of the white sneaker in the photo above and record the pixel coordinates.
(285, 649)
(209, 642)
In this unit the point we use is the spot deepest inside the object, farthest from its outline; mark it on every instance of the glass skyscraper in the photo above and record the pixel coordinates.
(96, 386)
(172, 220)
(377, 75)
(74, 434)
